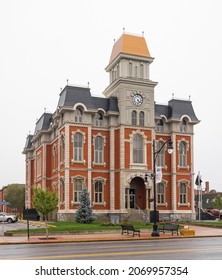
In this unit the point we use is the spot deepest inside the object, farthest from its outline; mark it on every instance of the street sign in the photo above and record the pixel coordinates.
(4, 203)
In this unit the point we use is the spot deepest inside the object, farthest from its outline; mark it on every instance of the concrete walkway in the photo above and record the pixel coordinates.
(107, 236)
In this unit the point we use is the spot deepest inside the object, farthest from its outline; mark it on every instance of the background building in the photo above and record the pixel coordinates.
(105, 144)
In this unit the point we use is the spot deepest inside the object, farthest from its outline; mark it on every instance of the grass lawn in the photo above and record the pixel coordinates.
(98, 226)
(74, 226)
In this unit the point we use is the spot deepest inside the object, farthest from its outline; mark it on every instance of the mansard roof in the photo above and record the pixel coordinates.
(28, 143)
(44, 122)
(72, 95)
(176, 109)
(130, 44)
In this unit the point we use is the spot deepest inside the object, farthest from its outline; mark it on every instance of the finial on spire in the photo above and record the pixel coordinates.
(143, 33)
(88, 84)
(114, 41)
(44, 109)
(172, 95)
(123, 29)
(189, 97)
(67, 81)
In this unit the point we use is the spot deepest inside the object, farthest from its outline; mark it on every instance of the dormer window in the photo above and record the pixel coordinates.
(98, 119)
(183, 126)
(160, 126)
(78, 115)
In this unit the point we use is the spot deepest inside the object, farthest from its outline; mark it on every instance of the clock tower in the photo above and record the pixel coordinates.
(129, 76)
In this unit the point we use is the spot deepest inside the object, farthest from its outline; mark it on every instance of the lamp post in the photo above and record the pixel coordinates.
(153, 177)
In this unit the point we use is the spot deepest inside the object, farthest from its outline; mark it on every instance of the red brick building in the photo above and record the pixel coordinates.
(106, 144)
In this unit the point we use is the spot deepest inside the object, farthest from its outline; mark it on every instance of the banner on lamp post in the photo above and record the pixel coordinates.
(158, 174)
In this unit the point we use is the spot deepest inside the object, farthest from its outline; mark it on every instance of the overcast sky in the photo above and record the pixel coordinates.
(46, 42)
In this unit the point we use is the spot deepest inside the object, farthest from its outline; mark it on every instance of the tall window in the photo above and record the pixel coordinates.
(62, 145)
(78, 146)
(99, 150)
(134, 118)
(182, 154)
(183, 193)
(130, 69)
(161, 154)
(54, 153)
(62, 190)
(141, 118)
(135, 71)
(141, 71)
(78, 115)
(77, 189)
(98, 193)
(160, 193)
(39, 164)
(98, 119)
(138, 149)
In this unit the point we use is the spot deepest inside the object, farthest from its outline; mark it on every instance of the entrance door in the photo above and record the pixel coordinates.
(132, 198)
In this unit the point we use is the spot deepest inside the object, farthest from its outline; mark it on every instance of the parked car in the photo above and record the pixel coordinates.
(9, 218)
(204, 215)
(216, 213)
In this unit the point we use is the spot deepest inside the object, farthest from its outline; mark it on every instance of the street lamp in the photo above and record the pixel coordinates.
(153, 177)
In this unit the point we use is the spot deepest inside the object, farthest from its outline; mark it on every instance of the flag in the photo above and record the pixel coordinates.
(198, 180)
(158, 174)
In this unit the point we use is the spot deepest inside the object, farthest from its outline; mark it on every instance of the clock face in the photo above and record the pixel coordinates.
(137, 99)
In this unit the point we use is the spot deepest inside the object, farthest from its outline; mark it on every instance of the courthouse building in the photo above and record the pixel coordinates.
(106, 144)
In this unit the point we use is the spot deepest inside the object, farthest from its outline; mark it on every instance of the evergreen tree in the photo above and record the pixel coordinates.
(84, 213)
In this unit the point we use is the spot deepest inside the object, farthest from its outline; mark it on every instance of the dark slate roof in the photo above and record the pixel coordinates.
(44, 122)
(72, 95)
(110, 104)
(175, 109)
(28, 143)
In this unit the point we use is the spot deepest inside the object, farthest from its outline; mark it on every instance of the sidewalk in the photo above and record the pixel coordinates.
(106, 236)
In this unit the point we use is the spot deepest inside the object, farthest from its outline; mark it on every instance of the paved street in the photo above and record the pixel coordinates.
(163, 249)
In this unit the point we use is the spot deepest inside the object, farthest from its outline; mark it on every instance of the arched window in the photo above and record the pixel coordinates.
(130, 69)
(183, 154)
(134, 118)
(141, 118)
(98, 119)
(135, 71)
(161, 154)
(78, 115)
(183, 126)
(78, 146)
(141, 71)
(138, 149)
(99, 150)
(160, 126)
